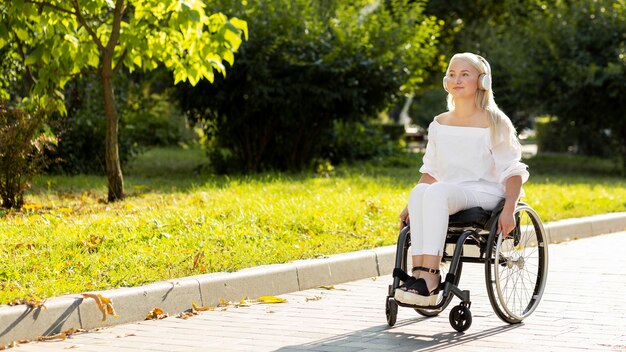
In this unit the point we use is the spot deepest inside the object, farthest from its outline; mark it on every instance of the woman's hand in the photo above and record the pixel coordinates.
(506, 221)
(404, 217)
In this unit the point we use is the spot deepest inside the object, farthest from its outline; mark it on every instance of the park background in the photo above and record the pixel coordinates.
(275, 130)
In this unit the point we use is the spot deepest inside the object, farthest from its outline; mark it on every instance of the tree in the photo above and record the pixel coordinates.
(56, 40)
(570, 62)
(309, 64)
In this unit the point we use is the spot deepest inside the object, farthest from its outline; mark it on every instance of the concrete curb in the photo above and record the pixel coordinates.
(175, 296)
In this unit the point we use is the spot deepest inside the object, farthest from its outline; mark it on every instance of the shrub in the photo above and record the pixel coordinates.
(307, 65)
(82, 133)
(551, 137)
(147, 119)
(23, 142)
(353, 141)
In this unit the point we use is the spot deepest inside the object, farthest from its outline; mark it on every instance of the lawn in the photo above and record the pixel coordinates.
(180, 220)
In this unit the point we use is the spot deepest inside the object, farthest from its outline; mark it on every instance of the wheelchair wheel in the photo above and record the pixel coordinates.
(391, 310)
(517, 271)
(445, 268)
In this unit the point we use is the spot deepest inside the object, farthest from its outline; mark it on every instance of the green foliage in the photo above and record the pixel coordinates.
(353, 141)
(23, 143)
(307, 65)
(57, 40)
(150, 120)
(552, 136)
(67, 239)
(578, 51)
(562, 58)
(81, 132)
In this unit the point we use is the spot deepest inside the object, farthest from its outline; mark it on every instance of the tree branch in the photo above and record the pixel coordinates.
(120, 60)
(115, 30)
(84, 23)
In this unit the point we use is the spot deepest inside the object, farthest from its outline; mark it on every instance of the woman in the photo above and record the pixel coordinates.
(472, 159)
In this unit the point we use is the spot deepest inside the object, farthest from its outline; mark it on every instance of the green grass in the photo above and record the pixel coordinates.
(179, 220)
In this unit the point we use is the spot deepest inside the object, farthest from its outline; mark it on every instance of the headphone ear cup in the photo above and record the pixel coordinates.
(484, 81)
(445, 83)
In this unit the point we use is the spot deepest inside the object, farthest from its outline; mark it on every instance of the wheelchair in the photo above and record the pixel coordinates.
(516, 267)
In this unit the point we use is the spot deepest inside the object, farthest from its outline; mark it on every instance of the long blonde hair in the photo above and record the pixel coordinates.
(498, 120)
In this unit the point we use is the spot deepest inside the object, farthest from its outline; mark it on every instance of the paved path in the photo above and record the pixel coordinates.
(583, 309)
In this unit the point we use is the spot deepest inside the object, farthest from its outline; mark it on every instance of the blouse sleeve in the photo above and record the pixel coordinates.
(429, 165)
(507, 154)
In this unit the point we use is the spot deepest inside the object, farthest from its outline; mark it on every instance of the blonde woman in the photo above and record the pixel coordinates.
(472, 159)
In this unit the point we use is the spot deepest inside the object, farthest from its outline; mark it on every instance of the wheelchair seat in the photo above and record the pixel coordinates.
(473, 217)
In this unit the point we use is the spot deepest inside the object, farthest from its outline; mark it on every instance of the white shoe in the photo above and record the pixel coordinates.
(417, 300)
(399, 295)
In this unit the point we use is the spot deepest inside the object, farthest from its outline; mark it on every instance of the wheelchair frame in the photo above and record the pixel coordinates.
(477, 227)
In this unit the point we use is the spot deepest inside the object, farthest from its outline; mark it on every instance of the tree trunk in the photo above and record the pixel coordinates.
(113, 167)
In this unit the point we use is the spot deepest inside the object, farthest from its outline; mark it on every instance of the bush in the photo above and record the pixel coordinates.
(307, 65)
(23, 143)
(551, 137)
(82, 133)
(147, 119)
(354, 141)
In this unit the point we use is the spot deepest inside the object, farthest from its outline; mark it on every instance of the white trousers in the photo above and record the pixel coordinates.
(430, 207)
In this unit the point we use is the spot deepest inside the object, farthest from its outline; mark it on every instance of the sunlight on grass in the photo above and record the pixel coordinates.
(178, 220)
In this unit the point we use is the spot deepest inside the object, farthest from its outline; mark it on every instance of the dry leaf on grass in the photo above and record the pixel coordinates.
(33, 302)
(156, 313)
(104, 304)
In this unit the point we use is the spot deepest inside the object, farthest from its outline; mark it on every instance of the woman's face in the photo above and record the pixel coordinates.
(462, 78)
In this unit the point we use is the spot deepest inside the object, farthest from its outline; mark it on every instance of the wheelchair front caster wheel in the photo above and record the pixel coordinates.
(391, 309)
(460, 318)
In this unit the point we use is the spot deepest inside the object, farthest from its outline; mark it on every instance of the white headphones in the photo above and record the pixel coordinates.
(484, 80)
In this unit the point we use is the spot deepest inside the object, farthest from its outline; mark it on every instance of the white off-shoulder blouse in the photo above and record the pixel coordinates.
(466, 156)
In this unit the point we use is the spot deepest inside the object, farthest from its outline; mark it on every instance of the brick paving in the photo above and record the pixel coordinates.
(583, 309)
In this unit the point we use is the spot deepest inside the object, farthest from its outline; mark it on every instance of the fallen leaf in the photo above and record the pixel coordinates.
(271, 299)
(32, 206)
(315, 298)
(331, 287)
(187, 314)
(57, 337)
(104, 304)
(156, 313)
(197, 259)
(194, 306)
(33, 302)
(126, 335)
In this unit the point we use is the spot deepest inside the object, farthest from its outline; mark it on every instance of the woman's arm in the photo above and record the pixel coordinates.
(512, 190)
